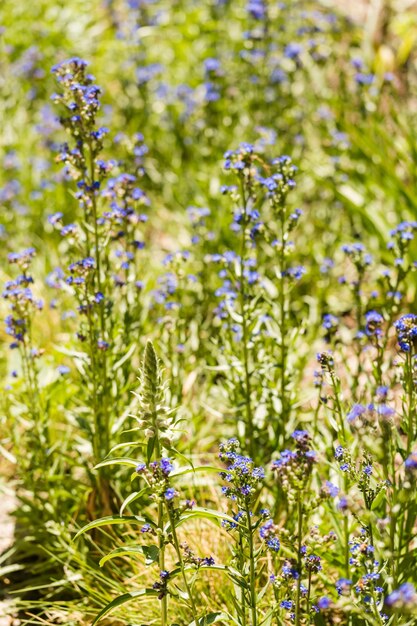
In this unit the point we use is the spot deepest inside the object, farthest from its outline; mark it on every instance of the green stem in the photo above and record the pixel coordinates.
(299, 560)
(242, 293)
(104, 434)
(283, 347)
(410, 393)
(252, 569)
(181, 562)
(308, 592)
(164, 601)
(336, 389)
(241, 562)
(346, 533)
(161, 542)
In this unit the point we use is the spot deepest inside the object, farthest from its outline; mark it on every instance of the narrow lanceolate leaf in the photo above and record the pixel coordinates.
(192, 568)
(126, 597)
(111, 520)
(135, 495)
(127, 444)
(378, 499)
(199, 512)
(150, 553)
(212, 618)
(118, 461)
(183, 471)
(267, 621)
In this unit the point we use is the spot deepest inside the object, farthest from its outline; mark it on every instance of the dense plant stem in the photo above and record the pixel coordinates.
(181, 562)
(104, 435)
(161, 546)
(242, 591)
(252, 570)
(161, 540)
(299, 560)
(283, 324)
(249, 431)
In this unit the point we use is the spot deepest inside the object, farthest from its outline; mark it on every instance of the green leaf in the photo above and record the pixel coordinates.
(183, 471)
(151, 553)
(202, 513)
(132, 497)
(263, 591)
(378, 499)
(125, 357)
(127, 444)
(118, 461)
(111, 520)
(150, 448)
(192, 568)
(267, 621)
(212, 618)
(176, 453)
(126, 597)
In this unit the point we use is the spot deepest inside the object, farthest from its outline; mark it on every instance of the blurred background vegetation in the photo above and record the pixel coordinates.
(332, 84)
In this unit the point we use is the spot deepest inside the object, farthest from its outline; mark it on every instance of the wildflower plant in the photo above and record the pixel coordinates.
(254, 305)
(159, 475)
(23, 305)
(103, 273)
(243, 480)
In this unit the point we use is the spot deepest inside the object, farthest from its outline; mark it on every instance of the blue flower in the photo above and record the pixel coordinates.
(256, 9)
(300, 435)
(343, 504)
(286, 604)
(343, 585)
(332, 489)
(292, 50)
(411, 461)
(265, 529)
(323, 603)
(373, 324)
(364, 79)
(55, 218)
(406, 328)
(403, 597)
(146, 528)
(382, 392)
(166, 466)
(330, 322)
(273, 544)
(356, 411)
(170, 493)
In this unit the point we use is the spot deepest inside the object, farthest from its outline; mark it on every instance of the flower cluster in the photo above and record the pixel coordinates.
(268, 532)
(156, 475)
(406, 328)
(161, 585)
(242, 476)
(293, 467)
(23, 304)
(247, 162)
(403, 598)
(192, 559)
(330, 325)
